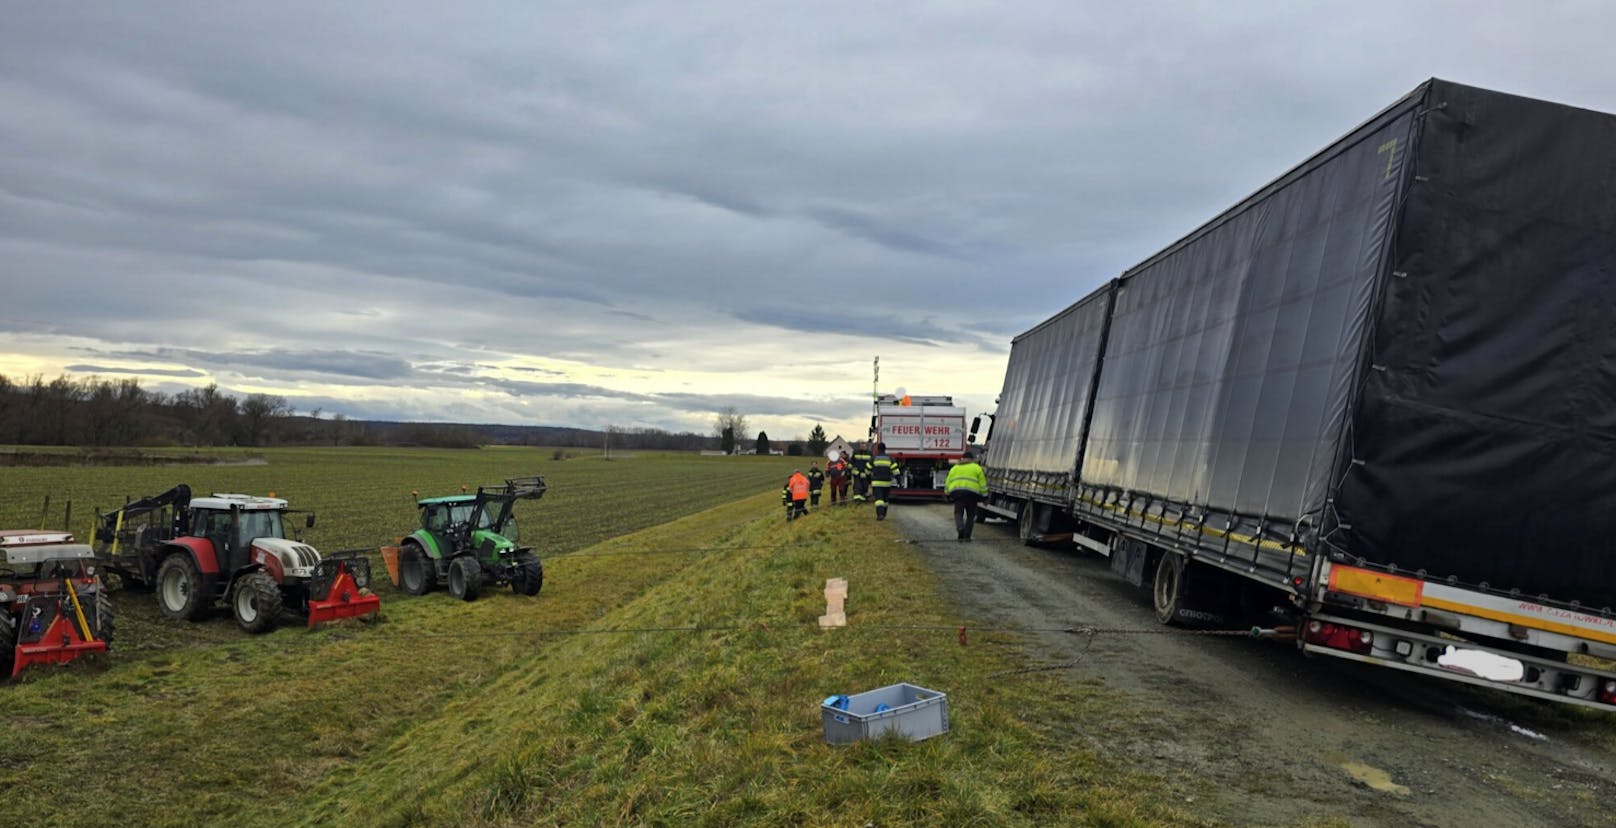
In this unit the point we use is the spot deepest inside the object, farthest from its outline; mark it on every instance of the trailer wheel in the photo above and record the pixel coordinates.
(179, 588)
(529, 574)
(417, 574)
(256, 602)
(8, 641)
(1168, 587)
(1024, 524)
(465, 578)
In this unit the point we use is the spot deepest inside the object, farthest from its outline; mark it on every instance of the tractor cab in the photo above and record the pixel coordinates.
(236, 522)
(452, 519)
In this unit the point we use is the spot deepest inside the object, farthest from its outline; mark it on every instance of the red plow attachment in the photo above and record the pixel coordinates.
(50, 635)
(345, 598)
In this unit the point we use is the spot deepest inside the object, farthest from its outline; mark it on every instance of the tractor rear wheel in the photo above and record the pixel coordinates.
(8, 641)
(104, 620)
(465, 578)
(256, 602)
(179, 588)
(417, 573)
(529, 574)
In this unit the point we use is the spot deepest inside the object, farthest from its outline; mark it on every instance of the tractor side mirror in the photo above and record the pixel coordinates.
(308, 522)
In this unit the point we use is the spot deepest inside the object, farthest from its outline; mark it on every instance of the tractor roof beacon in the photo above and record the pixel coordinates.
(195, 552)
(468, 541)
(52, 608)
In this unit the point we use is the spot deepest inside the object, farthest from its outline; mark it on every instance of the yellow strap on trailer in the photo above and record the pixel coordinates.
(116, 531)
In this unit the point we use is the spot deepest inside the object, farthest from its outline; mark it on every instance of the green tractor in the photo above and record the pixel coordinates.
(468, 541)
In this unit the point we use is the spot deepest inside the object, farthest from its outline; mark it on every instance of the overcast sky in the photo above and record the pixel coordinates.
(635, 214)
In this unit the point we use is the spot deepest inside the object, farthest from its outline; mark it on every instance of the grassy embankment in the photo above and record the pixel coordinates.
(498, 712)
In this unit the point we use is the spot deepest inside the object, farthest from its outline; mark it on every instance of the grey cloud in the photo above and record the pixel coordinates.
(357, 364)
(864, 226)
(918, 330)
(81, 368)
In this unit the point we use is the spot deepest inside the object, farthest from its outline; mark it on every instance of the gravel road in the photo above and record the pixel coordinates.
(1253, 733)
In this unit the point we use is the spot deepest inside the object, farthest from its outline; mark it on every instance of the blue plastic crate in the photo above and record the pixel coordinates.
(911, 712)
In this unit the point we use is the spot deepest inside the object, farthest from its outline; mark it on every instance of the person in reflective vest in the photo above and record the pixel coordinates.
(816, 481)
(795, 494)
(838, 473)
(861, 473)
(966, 486)
(883, 473)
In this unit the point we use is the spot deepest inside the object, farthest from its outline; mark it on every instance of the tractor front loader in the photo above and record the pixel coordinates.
(469, 541)
(52, 609)
(196, 552)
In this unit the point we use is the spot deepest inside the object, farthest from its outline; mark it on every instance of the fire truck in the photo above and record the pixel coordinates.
(925, 435)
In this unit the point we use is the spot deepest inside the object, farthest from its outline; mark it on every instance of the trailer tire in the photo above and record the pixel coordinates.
(417, 573)
(1027, 516)
(179, 588)
(256, 602)
(465, 578)
(1167, 588)
(529, 574)
(8, 642)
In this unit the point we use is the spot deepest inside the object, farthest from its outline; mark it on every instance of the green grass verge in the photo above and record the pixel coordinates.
(722, 726)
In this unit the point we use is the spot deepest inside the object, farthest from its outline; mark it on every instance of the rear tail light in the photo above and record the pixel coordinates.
(1607, 691)
(1339, 637)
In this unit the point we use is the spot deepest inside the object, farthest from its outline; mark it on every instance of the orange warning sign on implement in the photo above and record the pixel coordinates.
(1393, 589)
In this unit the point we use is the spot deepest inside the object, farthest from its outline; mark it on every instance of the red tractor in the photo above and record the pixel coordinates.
(52, 609)
(231, 548)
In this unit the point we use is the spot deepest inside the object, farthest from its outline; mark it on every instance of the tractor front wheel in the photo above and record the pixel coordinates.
(465, 578)
(529, 574)
(417, 573)
(256, 602)
(179, 588)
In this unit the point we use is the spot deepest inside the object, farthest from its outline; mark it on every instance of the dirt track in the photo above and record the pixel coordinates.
(1253, 733)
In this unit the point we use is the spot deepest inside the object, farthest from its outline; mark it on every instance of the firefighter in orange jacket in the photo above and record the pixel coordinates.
(795, 494)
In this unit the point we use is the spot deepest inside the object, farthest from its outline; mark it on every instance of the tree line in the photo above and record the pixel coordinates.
(92, 411)
(119, 412)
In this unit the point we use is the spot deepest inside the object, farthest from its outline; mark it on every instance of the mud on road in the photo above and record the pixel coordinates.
(1248, 732)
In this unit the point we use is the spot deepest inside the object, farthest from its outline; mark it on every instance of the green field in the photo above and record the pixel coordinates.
(362, 495)
(590, 704)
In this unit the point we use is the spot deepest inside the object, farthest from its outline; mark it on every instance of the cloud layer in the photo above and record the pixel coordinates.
(636, 214)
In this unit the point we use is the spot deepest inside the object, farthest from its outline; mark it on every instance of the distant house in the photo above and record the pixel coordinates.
(840, 446)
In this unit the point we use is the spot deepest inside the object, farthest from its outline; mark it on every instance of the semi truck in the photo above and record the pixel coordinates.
(925, 435)
(1376, 398)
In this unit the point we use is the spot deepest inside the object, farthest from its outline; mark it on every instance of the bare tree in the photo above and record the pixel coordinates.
(257, 413)
(728, 427)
